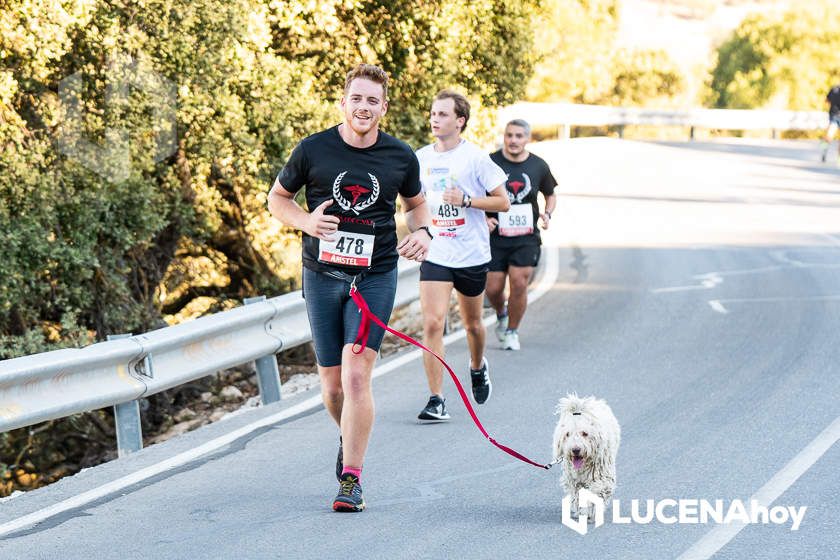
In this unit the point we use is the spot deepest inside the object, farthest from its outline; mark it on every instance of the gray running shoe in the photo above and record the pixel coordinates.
(501, 327)
(435, 410)
(349, 496)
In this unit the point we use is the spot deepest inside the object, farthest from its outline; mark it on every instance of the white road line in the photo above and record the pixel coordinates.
(679, 289)
(707, 282)
(546, 280)
(718, 537)
(713, 279)
(833, 238)
(777, 299)
(718, 306)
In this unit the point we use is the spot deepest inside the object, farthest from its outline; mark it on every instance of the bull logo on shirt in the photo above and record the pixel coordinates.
(517, 190)
(356, 192)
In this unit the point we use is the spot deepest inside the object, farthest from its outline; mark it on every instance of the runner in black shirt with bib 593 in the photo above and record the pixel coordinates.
(514, 238)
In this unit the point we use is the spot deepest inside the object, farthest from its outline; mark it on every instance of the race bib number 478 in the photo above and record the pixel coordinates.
(349, 248)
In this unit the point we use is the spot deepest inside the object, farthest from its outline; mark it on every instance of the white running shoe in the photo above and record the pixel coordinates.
(511, 341)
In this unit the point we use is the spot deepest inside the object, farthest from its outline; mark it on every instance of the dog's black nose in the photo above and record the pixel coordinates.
(576, 450)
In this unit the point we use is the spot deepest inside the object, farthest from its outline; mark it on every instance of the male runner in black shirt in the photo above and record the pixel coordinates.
(353, 173)
(514, 237)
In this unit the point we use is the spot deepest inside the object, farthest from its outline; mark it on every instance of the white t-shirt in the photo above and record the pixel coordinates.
(461, 237)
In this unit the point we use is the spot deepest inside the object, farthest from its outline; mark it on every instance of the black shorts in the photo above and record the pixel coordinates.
(469, 280)
(518, 255)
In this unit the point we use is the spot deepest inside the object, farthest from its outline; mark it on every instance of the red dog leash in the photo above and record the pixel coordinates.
(361, 341)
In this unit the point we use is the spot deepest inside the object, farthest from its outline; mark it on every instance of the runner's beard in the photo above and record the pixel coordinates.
(362, 126)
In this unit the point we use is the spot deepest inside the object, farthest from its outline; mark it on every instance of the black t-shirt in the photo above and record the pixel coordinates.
(522, 178)
(363, 184)
(833, 97)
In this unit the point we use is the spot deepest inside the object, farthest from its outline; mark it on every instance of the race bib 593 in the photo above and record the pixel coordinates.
(519, 220)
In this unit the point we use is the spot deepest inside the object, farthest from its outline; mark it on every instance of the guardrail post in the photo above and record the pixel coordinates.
(127, 421)
(563, 131)
(691, 133)
(268, 376)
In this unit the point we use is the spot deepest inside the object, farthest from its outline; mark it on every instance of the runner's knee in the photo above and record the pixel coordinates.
(433, 325)
(356, 382)
(518, 283)
(474, 326)
(494, 288)
(332, 391)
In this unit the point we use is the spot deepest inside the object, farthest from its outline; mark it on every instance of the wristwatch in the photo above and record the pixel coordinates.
(426, 229)
(547, 213)
(467, 201)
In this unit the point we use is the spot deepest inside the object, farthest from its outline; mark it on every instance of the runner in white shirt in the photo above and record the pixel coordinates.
(461, 183)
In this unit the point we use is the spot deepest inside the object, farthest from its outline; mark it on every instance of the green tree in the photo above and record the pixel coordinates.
(787, 61)
(94, 242)
(580, 63)
(644, 78)
(575, 41)
(483, 47)
(189, 234)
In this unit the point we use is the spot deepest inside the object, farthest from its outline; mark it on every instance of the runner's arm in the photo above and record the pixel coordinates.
(282, 205)
(550, 204)
(415, 246)
(495, 201)
(416, 212)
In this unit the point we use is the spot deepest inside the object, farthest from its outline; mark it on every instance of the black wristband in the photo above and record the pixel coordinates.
(427, 230)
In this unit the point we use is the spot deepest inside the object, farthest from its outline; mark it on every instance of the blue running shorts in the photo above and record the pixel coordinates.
(333, 316)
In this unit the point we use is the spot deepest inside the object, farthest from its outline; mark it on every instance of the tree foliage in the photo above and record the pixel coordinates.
(643, 78)
(576, 44)
(787, 61)
(579, 61)
(119, 245)
(105, 228)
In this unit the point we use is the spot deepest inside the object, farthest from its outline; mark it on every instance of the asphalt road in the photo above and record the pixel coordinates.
(698, 292)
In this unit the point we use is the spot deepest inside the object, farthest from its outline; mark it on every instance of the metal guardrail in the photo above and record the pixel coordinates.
(566, 115)
(57, 384)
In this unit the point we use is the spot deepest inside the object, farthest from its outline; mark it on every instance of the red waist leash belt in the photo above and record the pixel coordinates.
(361, 340)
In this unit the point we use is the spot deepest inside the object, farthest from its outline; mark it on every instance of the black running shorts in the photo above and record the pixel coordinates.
(522, 255)
(469, 280)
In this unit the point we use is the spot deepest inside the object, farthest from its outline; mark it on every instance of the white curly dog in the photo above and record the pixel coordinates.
(586, 443)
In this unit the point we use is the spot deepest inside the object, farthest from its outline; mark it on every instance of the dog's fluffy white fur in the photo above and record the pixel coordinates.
(586, 441)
